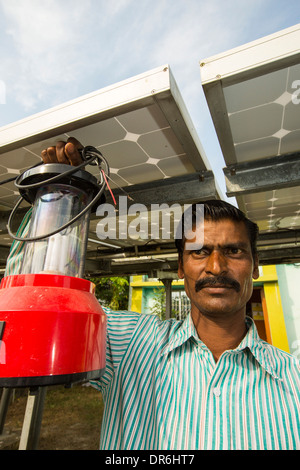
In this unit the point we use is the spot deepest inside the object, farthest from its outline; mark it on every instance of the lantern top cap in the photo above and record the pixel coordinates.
(45, 173)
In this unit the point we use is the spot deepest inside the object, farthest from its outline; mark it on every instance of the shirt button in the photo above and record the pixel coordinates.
(216, 392)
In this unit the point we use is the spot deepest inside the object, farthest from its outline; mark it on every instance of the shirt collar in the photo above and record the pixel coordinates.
(259, 348)
(186, 331)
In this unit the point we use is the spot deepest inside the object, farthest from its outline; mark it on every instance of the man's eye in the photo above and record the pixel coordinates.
(233, 251)
(200, 252)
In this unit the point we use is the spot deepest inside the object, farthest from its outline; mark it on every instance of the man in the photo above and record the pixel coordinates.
(218, 275)
(207, 382)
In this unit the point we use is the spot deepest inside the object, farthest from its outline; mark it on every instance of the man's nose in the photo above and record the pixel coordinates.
(216, 263)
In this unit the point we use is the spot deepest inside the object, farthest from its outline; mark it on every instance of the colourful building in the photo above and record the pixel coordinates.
(274, 305)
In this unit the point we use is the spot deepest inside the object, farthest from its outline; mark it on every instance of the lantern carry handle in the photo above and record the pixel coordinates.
(87, 160)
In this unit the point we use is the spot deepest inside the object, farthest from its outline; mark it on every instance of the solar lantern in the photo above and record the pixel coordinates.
(53, 329)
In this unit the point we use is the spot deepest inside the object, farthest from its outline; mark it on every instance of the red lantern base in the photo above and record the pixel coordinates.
(52, 331)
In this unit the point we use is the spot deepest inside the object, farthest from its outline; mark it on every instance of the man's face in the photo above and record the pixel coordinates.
(218, 276)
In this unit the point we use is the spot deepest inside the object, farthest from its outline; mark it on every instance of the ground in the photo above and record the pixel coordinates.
(71, 419)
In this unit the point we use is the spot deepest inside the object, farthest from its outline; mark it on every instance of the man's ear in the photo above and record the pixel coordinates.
(255, 274)
(180, 268)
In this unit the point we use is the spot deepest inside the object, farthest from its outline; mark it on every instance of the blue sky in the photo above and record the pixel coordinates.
(52, 51)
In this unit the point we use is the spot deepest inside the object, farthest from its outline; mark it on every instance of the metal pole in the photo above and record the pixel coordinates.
(5, 400)
(33, 419)
(168, 288)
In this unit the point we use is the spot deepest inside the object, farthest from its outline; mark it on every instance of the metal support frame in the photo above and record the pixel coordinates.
(180, 189)
(4, 404)
(280, 237)
(167, 278)
(168, 288)
(33, 419)
(262, 175)
(282, 255)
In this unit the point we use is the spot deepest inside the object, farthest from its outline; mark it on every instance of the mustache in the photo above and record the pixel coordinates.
(217, 280)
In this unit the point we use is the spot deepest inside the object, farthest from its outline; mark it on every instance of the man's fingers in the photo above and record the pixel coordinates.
(63, 152)
(75, 142)
(60, 153)
(44, 156)
(49, 155)
(72, 153)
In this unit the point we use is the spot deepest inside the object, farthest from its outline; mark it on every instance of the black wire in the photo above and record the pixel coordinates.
(53, 179)
(86, 161)
(8, 180)
(13, 178)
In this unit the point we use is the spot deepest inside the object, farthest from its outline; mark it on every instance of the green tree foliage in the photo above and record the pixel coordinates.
(112, 292)
(159, 304)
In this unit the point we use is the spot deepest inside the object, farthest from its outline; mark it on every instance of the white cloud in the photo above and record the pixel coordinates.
(56, 50)
(43, 46)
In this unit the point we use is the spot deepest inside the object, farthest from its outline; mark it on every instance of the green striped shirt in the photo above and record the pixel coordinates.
(163, 390)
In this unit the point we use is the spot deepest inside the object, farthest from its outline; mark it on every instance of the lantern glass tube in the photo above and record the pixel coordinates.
(64, 252)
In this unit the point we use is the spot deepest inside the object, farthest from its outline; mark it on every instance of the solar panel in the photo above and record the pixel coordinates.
(252, 93)
(141, 126)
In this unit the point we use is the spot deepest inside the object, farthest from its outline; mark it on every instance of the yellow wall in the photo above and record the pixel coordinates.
(136, 299)
(273, 313)
(275, 316)
(137, 294)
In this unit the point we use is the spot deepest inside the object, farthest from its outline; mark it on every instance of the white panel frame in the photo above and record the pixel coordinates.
(266, 55)
(261, 56)
(155, 86)
(84, 110)
(251, 60)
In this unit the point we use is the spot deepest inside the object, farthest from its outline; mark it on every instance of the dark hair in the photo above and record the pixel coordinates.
(215, 210)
